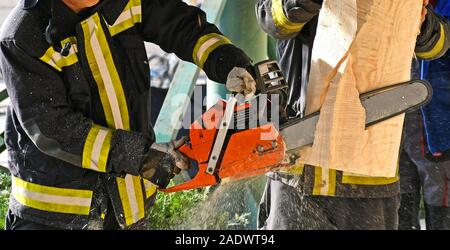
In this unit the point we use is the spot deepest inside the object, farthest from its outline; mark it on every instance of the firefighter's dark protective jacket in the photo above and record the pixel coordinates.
(295, 43)
(77, 129)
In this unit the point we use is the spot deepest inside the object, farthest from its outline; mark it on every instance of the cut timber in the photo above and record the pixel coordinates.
(361, 45)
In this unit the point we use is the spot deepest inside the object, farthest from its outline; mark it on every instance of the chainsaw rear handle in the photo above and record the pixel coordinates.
(199, 180)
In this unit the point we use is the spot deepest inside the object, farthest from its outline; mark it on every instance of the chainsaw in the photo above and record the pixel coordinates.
(232, 141)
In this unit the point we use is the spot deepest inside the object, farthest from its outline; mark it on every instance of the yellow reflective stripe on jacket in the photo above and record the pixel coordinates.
(437, 48)
(115, 108)
(281, 21)
(57, 61)
(324, 182)
(205, 45)
(51, 199)
(348, 178)
(294, 170)
(150, 188)
(96, 149)
(368, 181)
(132, 197)
(355, 179)
(131, 15)
(105, 74)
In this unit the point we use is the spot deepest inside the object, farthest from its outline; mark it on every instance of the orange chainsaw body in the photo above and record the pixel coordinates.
(246, 153)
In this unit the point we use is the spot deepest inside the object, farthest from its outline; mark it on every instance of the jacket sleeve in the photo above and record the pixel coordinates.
(284, 19)
(182, 29)
(43, 109)
(434, 39)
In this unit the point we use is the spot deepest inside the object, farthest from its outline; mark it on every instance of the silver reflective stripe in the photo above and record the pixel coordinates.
(210, 42)
(105, 74)
(132, 198)
(131, 15)
(56, 57)
(57, 61)
(97, 149)
(128, 14)
(49, 198)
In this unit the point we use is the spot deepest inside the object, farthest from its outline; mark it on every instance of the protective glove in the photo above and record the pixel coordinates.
(240, 80)
(302, 11)
(163, 162)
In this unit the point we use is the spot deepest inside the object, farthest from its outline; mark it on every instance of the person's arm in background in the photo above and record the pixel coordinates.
(434, 38)
(284, 19)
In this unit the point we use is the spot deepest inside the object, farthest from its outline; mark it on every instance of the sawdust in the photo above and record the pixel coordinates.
(231, 206)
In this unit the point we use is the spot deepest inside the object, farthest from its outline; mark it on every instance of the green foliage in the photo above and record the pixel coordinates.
(170, 210)
(5, 189)
(239, 220)
(220, 208)
(196, 209)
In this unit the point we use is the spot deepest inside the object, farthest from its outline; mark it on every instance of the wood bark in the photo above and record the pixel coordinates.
(361, 45)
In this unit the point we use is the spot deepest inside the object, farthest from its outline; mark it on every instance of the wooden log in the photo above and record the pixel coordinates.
(361, 45)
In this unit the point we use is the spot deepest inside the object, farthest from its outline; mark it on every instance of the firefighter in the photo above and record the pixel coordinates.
(81, 150)
(309, 197)
(424, 162)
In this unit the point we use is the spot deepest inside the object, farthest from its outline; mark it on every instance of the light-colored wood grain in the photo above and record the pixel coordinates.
(333, 40)
(369, 45)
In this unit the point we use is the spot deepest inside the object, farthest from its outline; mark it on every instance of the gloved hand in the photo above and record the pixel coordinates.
(163, 162)
(240, 80)
(302, 11)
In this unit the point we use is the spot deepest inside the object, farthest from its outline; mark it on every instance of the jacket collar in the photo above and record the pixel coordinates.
(111, 9)
(66, 20)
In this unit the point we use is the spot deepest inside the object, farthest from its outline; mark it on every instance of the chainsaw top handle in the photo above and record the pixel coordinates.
(269, 78)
